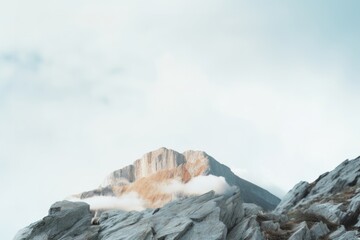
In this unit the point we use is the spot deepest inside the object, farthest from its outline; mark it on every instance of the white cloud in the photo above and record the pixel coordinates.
(197, 185)
(127, 202)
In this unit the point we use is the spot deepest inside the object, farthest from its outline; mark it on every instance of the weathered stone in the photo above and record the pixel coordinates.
(302, 232)
(293, 197)
(350, 235)
(330, 212)
(319, 230)
(175, 228)
(338, 233)
(354, 205)
(66, 220)
(251, 209)
(247, 229)
(208, 216)
(270, 226)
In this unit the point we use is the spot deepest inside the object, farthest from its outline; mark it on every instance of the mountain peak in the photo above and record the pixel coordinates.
(164, 165)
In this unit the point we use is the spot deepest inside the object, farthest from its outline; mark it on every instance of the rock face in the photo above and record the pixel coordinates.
(337, 186)
(162, 165)
(330, 205)
(66, 221)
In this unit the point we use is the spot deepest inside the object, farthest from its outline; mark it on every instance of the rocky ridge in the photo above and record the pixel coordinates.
(327, 208)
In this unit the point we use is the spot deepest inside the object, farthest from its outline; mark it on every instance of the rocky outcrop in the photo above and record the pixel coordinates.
(338, 185)
(330, 205)
(208, 216)
(164, 165)
(150, 163)
(66, 221)
(319, 230)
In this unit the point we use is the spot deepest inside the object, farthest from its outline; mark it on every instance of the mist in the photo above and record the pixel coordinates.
(198, 185)
(127, 202)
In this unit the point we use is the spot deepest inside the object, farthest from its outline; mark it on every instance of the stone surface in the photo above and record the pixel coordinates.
(293, 197)
(66, 220)
(350, 235)
(252, 209)
(319, 230)
(330, 212)
(208, 216)
(338, 233)
(270, 226)
(302, 233)
(247, 229)
(200, 217)
(330, 201)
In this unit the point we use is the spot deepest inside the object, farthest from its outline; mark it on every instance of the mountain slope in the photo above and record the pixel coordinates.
(164, 165)
(326, 209)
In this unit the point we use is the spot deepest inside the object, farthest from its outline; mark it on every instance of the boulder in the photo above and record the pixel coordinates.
(66, 220)
(302, 232)
(329, 211)
(270, 226)
(338, 233)
(208, 216)
(318, 230)
(293, 197)
(247, 229)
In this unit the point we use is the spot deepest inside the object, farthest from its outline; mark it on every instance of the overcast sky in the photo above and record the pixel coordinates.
(269, 88)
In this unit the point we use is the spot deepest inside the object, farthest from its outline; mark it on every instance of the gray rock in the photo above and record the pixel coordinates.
(280, 218)
(330, 212)
(175, 228)
(293, 197)
(302, 232)
(329, 184)
(251, 209)
(358, 222)
(270, 226)
(66, 220)
(247, 229)
(199, 217)
(350, 235)
(354, 205)
(209, 230)
(344, 175)
(338, 233)
(318, 230)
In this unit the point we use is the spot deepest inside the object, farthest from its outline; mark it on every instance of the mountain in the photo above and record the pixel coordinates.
(327, 208)
(163, 165)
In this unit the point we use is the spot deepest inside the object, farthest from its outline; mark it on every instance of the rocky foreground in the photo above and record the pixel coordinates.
(328, 208)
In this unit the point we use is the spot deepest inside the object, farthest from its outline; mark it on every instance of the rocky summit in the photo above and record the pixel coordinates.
(162, 166)
(327, 208)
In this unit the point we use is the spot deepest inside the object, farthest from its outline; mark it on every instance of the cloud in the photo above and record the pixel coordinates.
(127, 202)
(198, 185)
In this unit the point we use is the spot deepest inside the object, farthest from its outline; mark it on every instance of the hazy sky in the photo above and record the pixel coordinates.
(269, 88)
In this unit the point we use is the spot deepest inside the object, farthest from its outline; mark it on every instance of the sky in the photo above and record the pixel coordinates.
(269, 89)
